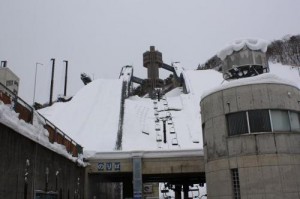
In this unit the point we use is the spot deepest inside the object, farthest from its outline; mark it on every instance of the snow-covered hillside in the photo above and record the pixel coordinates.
(91, 118)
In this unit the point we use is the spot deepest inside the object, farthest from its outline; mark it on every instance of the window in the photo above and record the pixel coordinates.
(259, 121)
(295, 123)
(237, 123)
(254, 121)
(235, 183)
(9, 82)
(280, 120)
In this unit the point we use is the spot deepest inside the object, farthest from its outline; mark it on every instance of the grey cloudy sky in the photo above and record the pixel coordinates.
(100, 36)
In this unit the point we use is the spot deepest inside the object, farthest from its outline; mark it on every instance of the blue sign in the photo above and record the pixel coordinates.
(100, 166)
(117, 166)
(137, 195)
(109, 166)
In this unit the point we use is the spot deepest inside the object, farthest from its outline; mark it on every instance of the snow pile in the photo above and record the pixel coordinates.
(279, 74)
(237, 45)
(91, 118)
(35, 131)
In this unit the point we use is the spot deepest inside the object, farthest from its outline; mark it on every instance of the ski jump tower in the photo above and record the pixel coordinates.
(251, 129)
(153, 61)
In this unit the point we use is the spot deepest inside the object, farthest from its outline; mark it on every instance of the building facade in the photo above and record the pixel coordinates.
(9, 79)
(251, 136)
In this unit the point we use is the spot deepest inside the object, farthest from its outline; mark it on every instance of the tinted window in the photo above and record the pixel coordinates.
(259, 121)
(237, 123)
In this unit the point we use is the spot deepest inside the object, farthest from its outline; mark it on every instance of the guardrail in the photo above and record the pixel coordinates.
(26, 113)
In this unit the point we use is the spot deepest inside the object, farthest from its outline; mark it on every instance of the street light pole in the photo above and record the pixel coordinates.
(52, 77)
(36, 64)
(66, 78)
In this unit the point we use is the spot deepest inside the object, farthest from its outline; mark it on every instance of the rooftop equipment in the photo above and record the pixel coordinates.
(244, 58)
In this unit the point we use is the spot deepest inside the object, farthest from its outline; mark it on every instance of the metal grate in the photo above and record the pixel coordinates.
(236, 183)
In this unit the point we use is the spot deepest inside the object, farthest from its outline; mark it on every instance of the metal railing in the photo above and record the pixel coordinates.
(26, 113)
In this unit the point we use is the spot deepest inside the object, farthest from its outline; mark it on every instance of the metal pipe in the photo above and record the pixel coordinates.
(165, 131)
(36, 64)
(52, 78)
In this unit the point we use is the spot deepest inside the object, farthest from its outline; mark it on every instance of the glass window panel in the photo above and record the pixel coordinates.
(259, 121)
(280, 120)
(295, 124)
(237, 123)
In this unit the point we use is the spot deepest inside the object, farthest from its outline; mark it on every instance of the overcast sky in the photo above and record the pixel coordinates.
(98, 37)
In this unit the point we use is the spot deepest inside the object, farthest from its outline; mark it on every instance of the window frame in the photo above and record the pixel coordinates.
(230, 133)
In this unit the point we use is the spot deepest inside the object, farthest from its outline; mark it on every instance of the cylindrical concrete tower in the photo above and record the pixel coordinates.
(251, 136)
(152, 61)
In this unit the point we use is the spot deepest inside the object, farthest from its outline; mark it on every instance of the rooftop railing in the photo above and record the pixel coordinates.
(27, 112)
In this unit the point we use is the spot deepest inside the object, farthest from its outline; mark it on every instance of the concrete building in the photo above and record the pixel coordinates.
(153, 61)
(251, 136)
(8, 78)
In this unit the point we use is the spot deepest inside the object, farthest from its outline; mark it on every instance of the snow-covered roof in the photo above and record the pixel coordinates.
(279, 74)
(35, 131)
(237, 45)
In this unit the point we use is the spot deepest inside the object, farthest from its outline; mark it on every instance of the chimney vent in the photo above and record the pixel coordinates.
(3, 64)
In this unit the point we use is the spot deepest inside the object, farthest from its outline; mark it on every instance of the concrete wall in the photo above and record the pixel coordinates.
(267, 162)
(15, 149)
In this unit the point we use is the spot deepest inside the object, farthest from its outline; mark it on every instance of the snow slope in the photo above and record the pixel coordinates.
(143, 121)
(91, 118)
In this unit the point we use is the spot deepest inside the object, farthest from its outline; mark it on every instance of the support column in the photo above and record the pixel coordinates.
(137, 178)
(86, 183)
(177, 191)
(185, 191)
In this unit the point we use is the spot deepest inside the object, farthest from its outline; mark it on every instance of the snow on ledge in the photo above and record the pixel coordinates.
(266, 78)
(145, 154)
(237, 45)
(35, 132)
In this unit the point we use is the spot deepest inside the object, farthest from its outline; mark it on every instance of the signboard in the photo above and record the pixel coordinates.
(109, 166)
(148, 188)
(137, 195)
(45, 195)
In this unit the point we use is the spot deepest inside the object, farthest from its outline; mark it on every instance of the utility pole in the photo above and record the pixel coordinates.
(52, 77)
(66, 78)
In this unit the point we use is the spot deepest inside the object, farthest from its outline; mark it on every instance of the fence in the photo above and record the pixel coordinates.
(26, 113)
